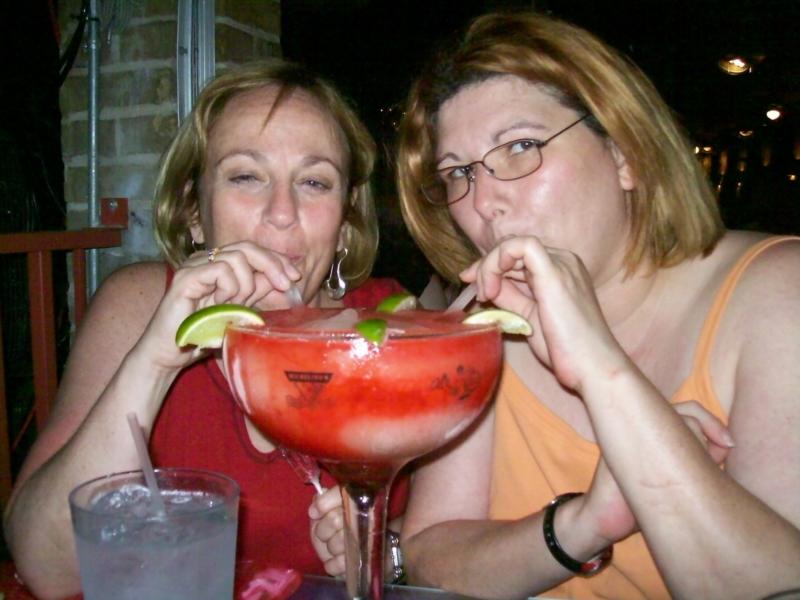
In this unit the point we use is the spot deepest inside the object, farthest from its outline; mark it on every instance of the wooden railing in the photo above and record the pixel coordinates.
(39, 247)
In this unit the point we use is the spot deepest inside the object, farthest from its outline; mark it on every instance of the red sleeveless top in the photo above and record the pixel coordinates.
(200, 426)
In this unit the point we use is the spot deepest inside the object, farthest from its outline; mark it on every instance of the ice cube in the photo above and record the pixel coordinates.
(344, 320)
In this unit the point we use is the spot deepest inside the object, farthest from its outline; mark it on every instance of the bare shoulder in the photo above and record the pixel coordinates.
(770, 285)
(760, 327)
(118, 314)
(134, 284)
(129, 296)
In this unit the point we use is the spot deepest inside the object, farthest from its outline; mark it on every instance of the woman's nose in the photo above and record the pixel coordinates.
(281, 207)
(488, 194)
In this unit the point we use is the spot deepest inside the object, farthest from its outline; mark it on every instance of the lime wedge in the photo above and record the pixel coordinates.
(205, 328)
(372, 330)
(508, 321)
(396, 302)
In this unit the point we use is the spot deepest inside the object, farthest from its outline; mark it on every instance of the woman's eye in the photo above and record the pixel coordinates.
(454, 173)
(243, 178)
(317, 184)
(520, 146)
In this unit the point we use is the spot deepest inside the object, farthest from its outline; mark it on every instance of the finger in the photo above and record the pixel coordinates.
(694, 426)
(335, 566)
(242, 271)
(275, 265)
(335, 543)
(227, 282)
(208, 283)
(718, 453)
(329, 526)
(322, 504)
(510, 260)
(711, 426)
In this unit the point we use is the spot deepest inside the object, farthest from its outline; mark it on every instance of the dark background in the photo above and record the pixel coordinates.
(372, 50)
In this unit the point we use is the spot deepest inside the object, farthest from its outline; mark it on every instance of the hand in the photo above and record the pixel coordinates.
(616, 520)
(553, 290)
(241, 273)
(327, 530)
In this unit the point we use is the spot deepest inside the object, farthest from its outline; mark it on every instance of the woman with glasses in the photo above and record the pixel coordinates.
(643, 442)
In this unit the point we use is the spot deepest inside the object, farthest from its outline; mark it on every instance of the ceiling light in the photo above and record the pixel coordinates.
(774, 113)
(734, 65)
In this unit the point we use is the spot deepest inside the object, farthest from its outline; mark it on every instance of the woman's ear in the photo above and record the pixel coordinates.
(627, 181)
(198, 237)
(342, 241)
(195, 225)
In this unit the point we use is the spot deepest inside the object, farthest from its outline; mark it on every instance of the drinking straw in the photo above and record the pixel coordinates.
(464, 297)
(147, 466)
(305, 466)
(294, 296)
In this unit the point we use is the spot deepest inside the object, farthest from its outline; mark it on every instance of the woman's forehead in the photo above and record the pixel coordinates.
(250, 114)
(485, 107)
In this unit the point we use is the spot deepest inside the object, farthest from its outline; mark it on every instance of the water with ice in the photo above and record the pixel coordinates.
(127, 551)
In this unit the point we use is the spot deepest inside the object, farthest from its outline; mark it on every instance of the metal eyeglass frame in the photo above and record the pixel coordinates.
(469, 168)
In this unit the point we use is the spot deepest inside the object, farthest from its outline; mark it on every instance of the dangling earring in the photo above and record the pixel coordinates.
(198, 246)
(335, 285)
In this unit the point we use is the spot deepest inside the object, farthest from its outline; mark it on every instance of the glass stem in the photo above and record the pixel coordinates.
(365, 527)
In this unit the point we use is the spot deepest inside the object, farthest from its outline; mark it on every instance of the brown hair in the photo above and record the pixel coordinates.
(673, 211)
(176, 203)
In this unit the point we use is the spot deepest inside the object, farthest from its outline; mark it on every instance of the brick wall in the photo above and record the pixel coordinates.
(137, 101)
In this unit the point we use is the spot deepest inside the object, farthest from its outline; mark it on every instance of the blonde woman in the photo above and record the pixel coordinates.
(265, 186)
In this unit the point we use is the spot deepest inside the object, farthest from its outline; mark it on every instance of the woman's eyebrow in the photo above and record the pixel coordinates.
(239, 152)
(312, 160)
(521, 124)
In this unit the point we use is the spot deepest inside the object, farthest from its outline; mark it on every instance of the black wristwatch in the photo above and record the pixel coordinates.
(396, 556)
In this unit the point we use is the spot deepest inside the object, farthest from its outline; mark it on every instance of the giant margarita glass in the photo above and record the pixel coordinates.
(363, 409)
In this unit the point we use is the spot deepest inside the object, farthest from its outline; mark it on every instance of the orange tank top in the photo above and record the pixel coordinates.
(538, 456)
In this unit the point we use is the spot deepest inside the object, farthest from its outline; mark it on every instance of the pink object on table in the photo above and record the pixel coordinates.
(272, 583)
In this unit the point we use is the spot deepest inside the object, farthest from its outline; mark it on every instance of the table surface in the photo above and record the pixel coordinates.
(316, 587)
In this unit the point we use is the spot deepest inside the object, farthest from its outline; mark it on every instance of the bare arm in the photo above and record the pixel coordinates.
(124, 359)
(449, 542)
(85, 434)
(737, 529)
(707, 528)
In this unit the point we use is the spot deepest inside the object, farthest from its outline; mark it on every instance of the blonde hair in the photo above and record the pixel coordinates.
(176, 195)
(674, 215)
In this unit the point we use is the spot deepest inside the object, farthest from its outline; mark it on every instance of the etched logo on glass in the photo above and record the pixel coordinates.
(309, 386)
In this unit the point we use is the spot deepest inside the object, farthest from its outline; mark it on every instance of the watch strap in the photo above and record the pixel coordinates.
(590, 567)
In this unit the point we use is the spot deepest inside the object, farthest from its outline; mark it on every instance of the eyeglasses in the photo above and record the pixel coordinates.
(513, 160)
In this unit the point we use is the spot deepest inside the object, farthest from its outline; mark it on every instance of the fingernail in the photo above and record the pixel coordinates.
(292, 271)
(727, 439)
(283, 281)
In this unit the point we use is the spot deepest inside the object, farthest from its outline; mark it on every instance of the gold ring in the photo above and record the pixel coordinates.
(212, 254)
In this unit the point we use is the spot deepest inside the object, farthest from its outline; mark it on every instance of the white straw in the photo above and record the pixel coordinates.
(294, 296)
(147, 466)
(464, 297)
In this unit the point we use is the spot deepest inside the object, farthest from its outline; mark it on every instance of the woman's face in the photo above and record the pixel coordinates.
(575, 200)
(279, 183)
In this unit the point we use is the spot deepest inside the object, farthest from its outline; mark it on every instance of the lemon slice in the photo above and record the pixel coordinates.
(205, 328)
(372, 330)
(397, 302)
(509, 322)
